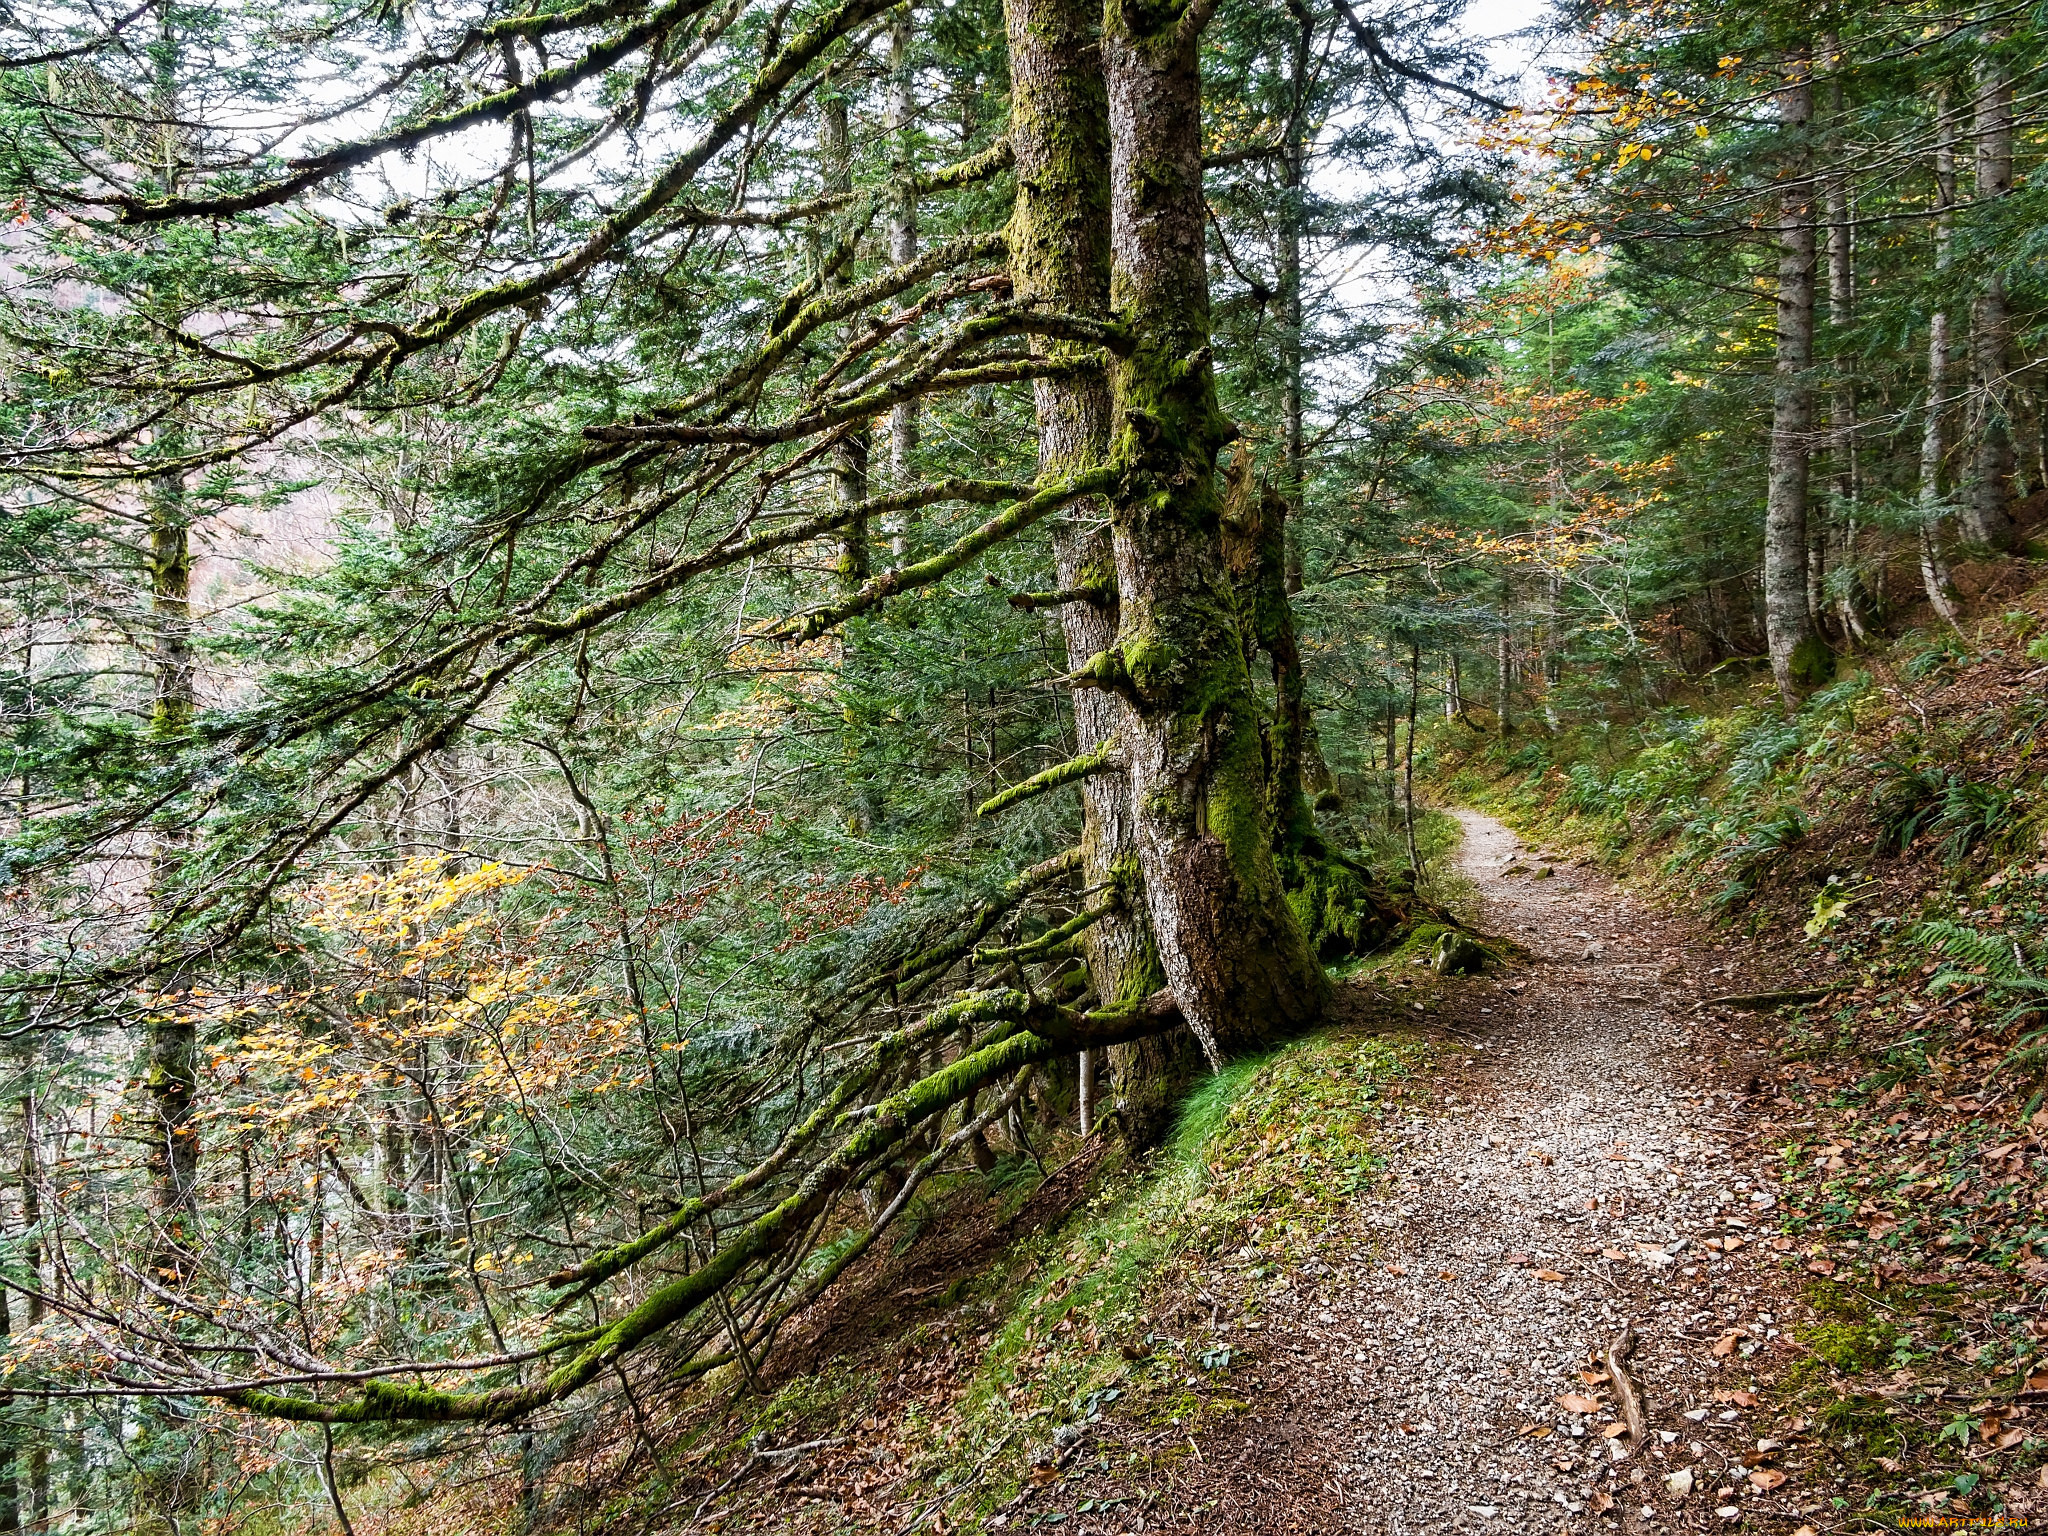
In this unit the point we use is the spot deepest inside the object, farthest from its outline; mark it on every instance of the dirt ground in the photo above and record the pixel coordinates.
(1582, 1168)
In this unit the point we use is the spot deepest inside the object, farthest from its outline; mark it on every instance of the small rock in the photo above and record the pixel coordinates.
(1678, 1484)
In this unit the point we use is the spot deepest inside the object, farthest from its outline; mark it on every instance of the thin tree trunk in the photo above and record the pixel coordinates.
(171, 1068)
(1934, 572)
(1408, 757)
(36, 1511)
(1796, 659)
(1504, 676)
(850, 451)
(902, 248)
(1987, 519)
(10, 1437)
(1059, 255)
(1233, 953)
(1293, 213)
(1842, 444)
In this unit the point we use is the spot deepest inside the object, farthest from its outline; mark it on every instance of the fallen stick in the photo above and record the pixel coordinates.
(1625, 1393)
(1758, 1000)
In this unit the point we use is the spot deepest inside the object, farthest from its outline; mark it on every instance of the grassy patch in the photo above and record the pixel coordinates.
(1127, 1310)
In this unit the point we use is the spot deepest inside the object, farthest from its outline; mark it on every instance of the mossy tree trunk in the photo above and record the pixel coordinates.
(1232, 951)
(1059, 256)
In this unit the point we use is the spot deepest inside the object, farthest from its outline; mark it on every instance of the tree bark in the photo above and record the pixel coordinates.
(171, 1048)
(1797, 658)
(850, 451)
(1293, 214)
(1059, 255)
(35, 1508)
(1934, 572)
(1842, 444)
(1232, 951)
(1987, 519)
(902, 248)
(1408, 758)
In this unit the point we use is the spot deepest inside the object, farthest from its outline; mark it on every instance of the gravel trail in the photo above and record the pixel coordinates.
(1580, 1168)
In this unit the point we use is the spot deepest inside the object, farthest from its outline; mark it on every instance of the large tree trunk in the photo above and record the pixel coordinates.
(1797, 657)
(1059, 255)
(1232, 951)
(1986, 517)
(1934, 573)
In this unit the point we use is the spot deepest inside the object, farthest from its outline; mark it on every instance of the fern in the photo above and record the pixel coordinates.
(1972, 813)
(1904, 797)
(1972, 954)
(1762, 748)
(1996, 961)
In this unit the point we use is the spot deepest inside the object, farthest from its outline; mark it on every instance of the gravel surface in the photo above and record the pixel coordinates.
(1579, 1169)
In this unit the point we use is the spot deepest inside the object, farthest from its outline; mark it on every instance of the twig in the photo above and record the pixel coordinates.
(1761, 1000)
(1624, 1389)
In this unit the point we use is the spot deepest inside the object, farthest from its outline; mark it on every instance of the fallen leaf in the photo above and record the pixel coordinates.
(1548, 1274)
(1600, 1502)
(1609, 1431)
(1820, 1266)
(2007, 1439)
(1782, 1244)
(1724, 1346)
(1445, 1274)
(2038, 1382)
(1612, 1253)
(1730, 1244)
(1738, 1397)
(1767, 1478)
(1593, 1378)
(1573, 1402)
(1396, 1269)
(1041, 1475)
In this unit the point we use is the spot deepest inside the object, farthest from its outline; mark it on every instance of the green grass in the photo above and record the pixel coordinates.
(1265, 1154)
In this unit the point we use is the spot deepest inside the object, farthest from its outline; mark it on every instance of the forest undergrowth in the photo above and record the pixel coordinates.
(1883, 853)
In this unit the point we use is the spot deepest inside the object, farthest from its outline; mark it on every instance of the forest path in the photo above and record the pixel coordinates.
(1564, 1175)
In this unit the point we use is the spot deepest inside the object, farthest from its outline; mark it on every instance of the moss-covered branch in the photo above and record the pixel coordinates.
(1102, 759)
(1027, 602)
(1053, 939)
(766, 1236)
(888, 584)
(980, 920)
